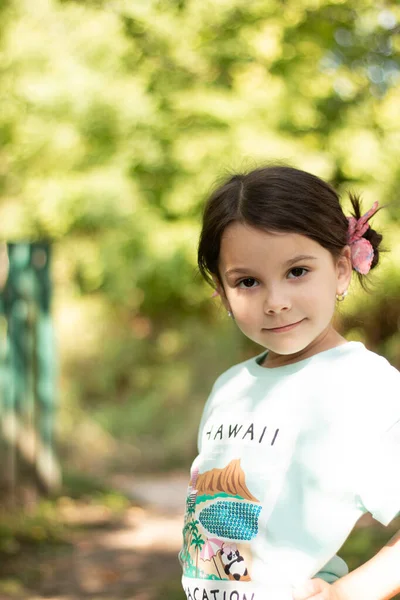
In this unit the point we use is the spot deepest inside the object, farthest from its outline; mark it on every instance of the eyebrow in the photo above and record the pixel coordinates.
(288, 263)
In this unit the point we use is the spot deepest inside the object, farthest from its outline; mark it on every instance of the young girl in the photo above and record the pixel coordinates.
(296, 444)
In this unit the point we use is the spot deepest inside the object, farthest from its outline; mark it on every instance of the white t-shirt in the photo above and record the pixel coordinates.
(289, 459)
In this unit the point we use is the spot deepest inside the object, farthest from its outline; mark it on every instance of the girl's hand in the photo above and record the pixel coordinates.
(317, 589)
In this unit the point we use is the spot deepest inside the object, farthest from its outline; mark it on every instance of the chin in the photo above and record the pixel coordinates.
(286, 349)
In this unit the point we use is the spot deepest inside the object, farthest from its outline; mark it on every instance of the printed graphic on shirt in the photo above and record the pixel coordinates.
(265, 444)
(221, 519)
(246, 432)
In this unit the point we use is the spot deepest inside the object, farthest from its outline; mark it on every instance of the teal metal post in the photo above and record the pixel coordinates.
(30, 399)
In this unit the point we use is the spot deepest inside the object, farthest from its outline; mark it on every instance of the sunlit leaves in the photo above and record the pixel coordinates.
(117, 118)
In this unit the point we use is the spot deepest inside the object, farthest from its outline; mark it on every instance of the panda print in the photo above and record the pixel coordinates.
(234, 564)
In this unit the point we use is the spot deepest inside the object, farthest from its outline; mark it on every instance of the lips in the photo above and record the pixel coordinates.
(283, 328)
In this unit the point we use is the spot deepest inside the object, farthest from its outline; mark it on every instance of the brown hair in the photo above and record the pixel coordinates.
(277, 198)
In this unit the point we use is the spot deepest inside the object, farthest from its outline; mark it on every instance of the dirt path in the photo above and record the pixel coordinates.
(132, 558)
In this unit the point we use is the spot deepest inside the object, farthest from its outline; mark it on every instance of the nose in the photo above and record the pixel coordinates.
(276, 301)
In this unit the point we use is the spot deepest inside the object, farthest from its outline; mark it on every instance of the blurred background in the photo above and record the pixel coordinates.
(117, 118)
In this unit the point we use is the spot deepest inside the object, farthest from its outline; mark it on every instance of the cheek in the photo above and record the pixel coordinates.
(318, 298)
(322, 288)
(245, 312)
(243, 305)
(323, 297)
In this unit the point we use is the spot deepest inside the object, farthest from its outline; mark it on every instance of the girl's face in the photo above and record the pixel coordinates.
(281, 289)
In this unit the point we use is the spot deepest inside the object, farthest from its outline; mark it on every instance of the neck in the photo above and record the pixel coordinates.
(328, 339)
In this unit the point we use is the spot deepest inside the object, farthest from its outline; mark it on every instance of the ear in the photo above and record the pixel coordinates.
(344, 270)
(221, 292)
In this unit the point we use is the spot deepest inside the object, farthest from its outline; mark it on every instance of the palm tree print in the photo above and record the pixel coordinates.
(197, 542)
(191, 506)
(184, 553)
(191, 529)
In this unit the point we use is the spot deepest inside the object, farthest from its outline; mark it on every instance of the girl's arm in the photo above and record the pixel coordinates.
(377, 579)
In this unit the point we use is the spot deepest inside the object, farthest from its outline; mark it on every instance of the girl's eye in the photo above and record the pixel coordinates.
(247, 283)
(297, 272)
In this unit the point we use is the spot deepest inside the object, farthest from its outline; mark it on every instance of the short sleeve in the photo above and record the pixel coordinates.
(205, 416)
(380, 476)
(333, 570)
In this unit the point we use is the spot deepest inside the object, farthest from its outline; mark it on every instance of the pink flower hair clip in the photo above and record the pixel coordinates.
(362, 251)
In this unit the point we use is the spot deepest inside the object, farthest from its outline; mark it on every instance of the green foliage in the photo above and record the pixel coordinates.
(84, 486)
(116, 118)
(50, 522)
(365, 542)
(41, 527)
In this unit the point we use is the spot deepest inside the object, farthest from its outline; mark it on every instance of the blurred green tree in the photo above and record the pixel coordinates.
(116, 118)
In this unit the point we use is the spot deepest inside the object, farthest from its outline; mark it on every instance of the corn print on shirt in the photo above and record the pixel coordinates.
(289, 459)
